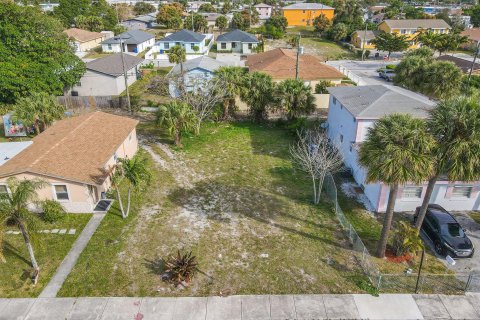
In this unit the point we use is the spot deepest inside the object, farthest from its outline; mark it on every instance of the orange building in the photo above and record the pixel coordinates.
(303, 14)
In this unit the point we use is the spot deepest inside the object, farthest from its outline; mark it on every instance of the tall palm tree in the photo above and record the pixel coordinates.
(455, 125)
(257, 93)
(295, 98)
(136, 172)
(232, 79)
(397, 150)
(177, 54)
(14, 209)
(177, 117)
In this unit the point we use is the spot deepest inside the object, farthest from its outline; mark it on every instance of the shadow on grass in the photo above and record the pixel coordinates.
(9, 249)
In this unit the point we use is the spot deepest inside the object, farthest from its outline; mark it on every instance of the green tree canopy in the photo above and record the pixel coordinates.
(221, 23)
(257, 93)
(241, 20)
(200, 23)
(177, 54)
(391, 42)
(143, 8)
(206, 7)
(279, 22)
(177, 118)
(35, 55)
(322, 23)
(295, 98)
(338, 32)
(170, 14)
(233, 79)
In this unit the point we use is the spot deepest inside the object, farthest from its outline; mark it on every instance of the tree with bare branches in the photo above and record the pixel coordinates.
(314, 154)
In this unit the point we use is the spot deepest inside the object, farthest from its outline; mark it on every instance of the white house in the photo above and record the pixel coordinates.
(197, 72)
(134, 41)
(264, 11)
(195, 44)
(353, 110)
(237, 41)
(105, 76)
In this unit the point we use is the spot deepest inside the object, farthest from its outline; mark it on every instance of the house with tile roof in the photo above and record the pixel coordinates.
(133, 42)
(194, 43)
(363, 39)
(303, 14)
(84, 40)
(281, 65)
(353, 110)
(412, 27)
(105, 76)
(473, 36)
(237, 41)
(74, 157)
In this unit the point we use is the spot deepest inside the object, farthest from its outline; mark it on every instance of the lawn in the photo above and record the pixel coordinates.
(232, 197)
(50, 249)
(96, 55)
(140, 87)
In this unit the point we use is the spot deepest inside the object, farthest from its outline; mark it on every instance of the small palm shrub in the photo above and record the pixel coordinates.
(53, 211)
(321, 86)
(406, 240)
(181, 267)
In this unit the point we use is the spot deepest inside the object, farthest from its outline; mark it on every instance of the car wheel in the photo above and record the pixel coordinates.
(439, 248)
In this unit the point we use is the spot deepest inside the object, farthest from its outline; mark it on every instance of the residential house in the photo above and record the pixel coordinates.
(141, 22)
(463, 64)
(74, 157)
(237, 41)
(133, 41)
(473, 36)
(194, 43)
(211, 18)
(281, 65)
(264, 11)
(105, 76)
(353, 110)
(83, 40)
(363, 39)
(197, 72)
(303, 14)
(412, 27)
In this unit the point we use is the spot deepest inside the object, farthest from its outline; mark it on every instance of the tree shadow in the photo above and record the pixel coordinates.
(9, 249)
(156, 266)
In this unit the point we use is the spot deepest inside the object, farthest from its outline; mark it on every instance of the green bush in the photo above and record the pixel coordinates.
(390, 66)
(53, 211)
(406, 240)
(321, 86)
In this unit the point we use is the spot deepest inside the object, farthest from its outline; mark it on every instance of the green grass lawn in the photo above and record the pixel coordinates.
(140, 87)
(475, 216)
(50, 249)
(96, 55)
(232, 197)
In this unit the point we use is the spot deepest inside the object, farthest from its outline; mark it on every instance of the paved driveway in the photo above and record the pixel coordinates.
(364, 70)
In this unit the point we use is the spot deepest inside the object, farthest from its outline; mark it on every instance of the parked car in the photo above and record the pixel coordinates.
(387, 74)
(446, 234)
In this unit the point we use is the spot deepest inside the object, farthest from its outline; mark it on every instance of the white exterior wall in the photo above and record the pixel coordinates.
(187, 45)
(239, 47)
(264, 12)
(115, 48)
(99, 84)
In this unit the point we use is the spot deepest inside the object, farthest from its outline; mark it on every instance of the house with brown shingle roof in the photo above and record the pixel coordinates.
(84, 40)
(473, 36)
(281, 65)
(74, 157)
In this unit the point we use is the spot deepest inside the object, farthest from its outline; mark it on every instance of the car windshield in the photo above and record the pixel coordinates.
(453, 230)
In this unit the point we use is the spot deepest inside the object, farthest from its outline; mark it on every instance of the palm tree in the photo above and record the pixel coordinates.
(177, 117)
(177, 54)
(14, 209)
(295, 98)
(136, 172)
(397, 151)
(39, 109)
(257, 93)
(455, 125)
(232, 79)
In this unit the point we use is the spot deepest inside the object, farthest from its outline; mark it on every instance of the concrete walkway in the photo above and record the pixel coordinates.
(52, 288)
(273, 307)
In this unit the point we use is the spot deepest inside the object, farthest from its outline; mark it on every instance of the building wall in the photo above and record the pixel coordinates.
(135, 25)
(357, 41)
(264, 12)
(86, 46)
(188, 46)
(98, 84)
(115, 48)
(305, 17)
(411, 33)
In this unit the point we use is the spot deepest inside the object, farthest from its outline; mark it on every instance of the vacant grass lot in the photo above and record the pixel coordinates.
(50, 249)
(232, 197)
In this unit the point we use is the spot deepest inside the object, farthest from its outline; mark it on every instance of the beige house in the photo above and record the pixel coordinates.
(83, 40)
(74, 157)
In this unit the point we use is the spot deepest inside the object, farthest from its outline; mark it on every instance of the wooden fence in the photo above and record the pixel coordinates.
(88, 103)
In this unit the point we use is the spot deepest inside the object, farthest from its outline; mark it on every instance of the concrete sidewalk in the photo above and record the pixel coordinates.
(267, 307)
(52, 288)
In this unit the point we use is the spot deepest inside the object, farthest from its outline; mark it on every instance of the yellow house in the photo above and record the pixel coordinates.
(360, 36)
(303, 14)
(412, 27)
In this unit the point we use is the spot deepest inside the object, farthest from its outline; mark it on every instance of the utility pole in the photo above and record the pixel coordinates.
(363, 42)
(123, 67)
(298, 55)
(477, 48)
(193, 26)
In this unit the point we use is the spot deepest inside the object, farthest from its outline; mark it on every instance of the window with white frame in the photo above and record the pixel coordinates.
(61, 192)
(166, 45)
(412, 192)
(249, 46)
(223, 45)
(109, 47)
(462, 191)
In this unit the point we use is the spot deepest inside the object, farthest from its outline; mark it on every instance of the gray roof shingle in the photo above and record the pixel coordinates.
(203, 62)
(184, 36)
(307, 6)
(417, 24)
(376, 101)
(147, 18)
(112, 64)
(369, 35)
(237, 36)
(130, 37)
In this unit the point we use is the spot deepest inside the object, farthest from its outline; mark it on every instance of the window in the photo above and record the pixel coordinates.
(61, 192)
(109, 47)
(403, 31)
(234, 44)
(412, 192)
(177, 43)
(223, 45)
(461, 192)
(78, 84)
(341, 138)
(303, 11)
(192, 45)
(166, 45)
(249, 46)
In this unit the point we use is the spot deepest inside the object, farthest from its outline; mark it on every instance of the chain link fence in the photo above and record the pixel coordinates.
(457, 283)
